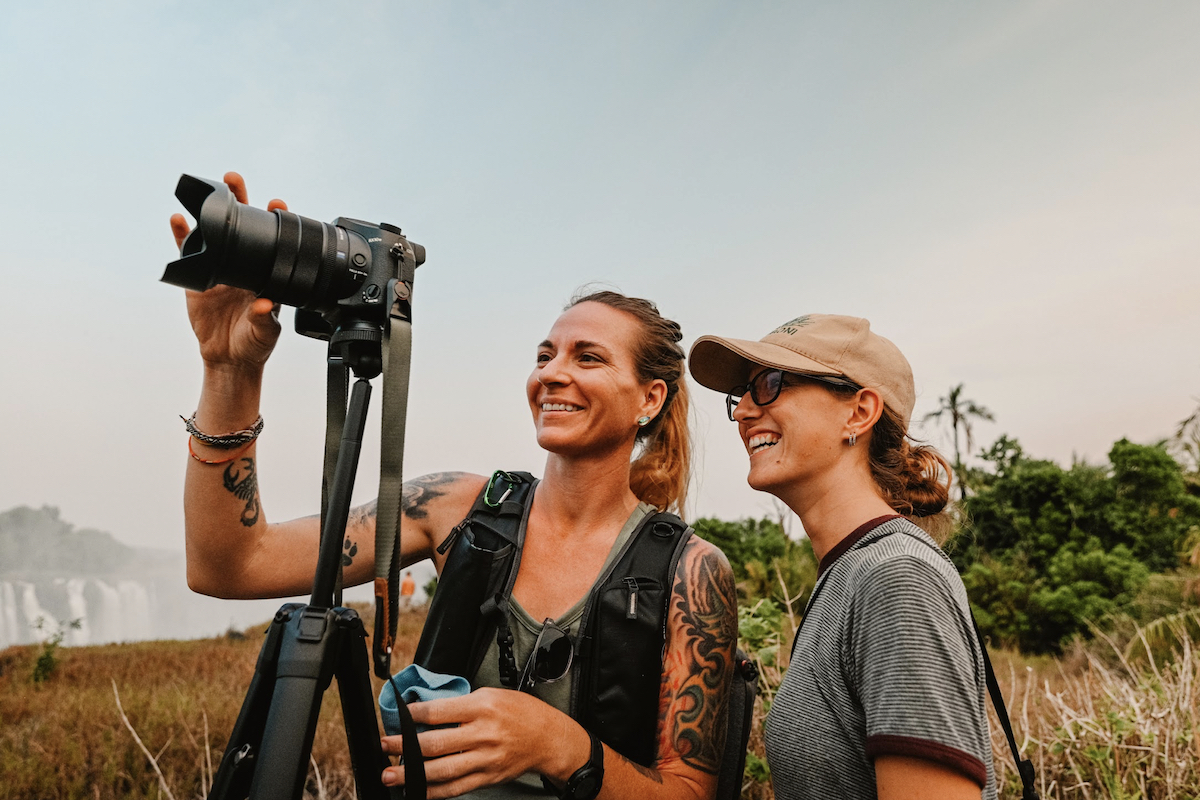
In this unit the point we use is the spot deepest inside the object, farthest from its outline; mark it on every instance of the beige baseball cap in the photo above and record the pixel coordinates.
(814, 344)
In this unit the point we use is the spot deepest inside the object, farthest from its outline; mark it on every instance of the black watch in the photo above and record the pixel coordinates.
(585, 783)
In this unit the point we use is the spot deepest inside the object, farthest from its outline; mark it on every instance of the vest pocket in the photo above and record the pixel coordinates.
(626, 670)
(474, 571)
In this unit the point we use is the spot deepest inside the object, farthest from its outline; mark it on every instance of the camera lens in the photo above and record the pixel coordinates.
(283, 256)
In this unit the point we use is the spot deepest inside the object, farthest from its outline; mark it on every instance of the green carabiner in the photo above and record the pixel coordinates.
(487, 493)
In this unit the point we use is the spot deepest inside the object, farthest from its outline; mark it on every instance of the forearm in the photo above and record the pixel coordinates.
(223, 519)
(229, 398)
(625, 780)
(569, 747)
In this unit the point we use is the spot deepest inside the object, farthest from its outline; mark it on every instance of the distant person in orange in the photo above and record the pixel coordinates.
(407, 587)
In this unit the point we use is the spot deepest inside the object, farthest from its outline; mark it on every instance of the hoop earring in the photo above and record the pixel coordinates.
(643, 422)
(853, 438)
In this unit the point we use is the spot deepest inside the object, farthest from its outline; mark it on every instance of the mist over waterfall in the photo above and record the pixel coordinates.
(93, 589)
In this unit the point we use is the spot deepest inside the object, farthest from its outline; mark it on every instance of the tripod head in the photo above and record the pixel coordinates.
(355, 326)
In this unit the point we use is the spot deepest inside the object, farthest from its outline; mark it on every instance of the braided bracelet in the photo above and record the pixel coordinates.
(225, 441)
(233, 457)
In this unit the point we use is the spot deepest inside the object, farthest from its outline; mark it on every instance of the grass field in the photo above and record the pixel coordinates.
(1094, 727)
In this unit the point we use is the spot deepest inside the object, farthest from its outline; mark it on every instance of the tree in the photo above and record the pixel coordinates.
(1046, 550)
(1185, 445)
(958, 412)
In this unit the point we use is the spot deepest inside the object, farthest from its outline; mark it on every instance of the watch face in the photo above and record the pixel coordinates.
(587, 787)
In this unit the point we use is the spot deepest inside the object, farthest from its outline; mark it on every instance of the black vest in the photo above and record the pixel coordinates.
(617, 668)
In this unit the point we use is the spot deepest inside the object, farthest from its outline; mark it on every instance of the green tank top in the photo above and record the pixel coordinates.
(525, 631)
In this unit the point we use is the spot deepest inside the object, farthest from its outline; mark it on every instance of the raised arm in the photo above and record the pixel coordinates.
(232, 550)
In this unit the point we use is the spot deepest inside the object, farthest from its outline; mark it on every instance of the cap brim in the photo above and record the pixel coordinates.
(720, 364)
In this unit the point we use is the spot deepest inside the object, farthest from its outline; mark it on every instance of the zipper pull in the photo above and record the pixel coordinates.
(631, 585)
(455, 532)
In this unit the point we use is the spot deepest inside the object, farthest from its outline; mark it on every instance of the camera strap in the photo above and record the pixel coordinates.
(397, 359)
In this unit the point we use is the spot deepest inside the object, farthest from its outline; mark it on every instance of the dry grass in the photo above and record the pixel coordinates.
(1095, 725)
(65, 738)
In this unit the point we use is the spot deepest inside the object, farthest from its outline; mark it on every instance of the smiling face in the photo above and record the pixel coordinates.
(584, 392)
(795, 439)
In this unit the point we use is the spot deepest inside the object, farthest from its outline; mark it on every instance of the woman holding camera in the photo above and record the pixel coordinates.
(885, 693)
(607, 380)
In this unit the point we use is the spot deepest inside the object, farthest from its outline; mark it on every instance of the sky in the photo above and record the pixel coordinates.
(1008, 191)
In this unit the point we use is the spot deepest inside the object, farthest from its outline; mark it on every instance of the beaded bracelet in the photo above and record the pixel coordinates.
(227, 440)
(233, 457)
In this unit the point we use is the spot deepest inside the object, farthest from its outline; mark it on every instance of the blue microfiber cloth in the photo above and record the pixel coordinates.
(416, 685)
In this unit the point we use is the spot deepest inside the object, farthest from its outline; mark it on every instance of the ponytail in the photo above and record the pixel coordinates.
(914, 480)
(660, 474)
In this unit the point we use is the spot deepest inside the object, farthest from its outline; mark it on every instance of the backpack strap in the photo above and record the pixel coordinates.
(617, 673)
(472, 595)
(742, 690)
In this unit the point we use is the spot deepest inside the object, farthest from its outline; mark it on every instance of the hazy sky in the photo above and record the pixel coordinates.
(1009, 191)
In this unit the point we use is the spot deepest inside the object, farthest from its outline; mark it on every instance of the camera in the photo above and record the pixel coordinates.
(335, 274)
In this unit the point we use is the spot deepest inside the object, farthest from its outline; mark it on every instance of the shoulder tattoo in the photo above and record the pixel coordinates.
(241, 480)
(420, 491)
(695, 690)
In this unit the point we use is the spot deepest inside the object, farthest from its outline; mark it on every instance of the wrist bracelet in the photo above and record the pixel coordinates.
(227, 440)
(233, 457)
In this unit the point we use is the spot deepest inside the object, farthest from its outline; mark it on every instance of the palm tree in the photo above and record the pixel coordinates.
(1186, 443)
(959, 412)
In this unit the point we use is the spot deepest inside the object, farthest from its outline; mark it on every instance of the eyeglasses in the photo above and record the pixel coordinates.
(551, 658)
(765, 387)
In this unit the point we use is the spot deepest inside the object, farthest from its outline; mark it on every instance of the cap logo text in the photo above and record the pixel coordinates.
(791, 327)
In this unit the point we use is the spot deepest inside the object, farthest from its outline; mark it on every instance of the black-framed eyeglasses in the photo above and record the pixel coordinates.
(551, 658)
(765, 387)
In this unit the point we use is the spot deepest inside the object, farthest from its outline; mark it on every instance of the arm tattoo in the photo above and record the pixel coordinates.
(652, 774)
(419, 491)
(363, 516)
(349, 551)
(695, 694)
(244, 487)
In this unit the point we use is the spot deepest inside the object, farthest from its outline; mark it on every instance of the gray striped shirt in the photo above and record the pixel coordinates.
(885, 663)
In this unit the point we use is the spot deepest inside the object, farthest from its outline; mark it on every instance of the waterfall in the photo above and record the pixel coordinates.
(35, 615)
(135, 612)
(78, 605)
(106, 621)
(11, 632)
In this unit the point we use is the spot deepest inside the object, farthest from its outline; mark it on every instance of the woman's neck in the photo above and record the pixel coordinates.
(835, 505)
(586, 492)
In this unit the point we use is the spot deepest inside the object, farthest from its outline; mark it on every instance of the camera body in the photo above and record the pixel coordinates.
(376, 255)
(339, 276)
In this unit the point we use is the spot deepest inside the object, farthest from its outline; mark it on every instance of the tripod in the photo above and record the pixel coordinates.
(306, 646)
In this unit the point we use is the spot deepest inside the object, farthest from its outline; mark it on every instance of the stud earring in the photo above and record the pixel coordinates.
(643, 422)
(853, 439)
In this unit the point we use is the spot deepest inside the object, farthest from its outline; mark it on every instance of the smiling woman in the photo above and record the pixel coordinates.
(607, 381)
(885, 693)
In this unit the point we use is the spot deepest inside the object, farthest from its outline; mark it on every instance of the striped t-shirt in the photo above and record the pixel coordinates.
(886, 662)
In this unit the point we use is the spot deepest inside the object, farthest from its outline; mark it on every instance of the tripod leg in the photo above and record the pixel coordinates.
(358, 709)
(232, 779)
(307, 656)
